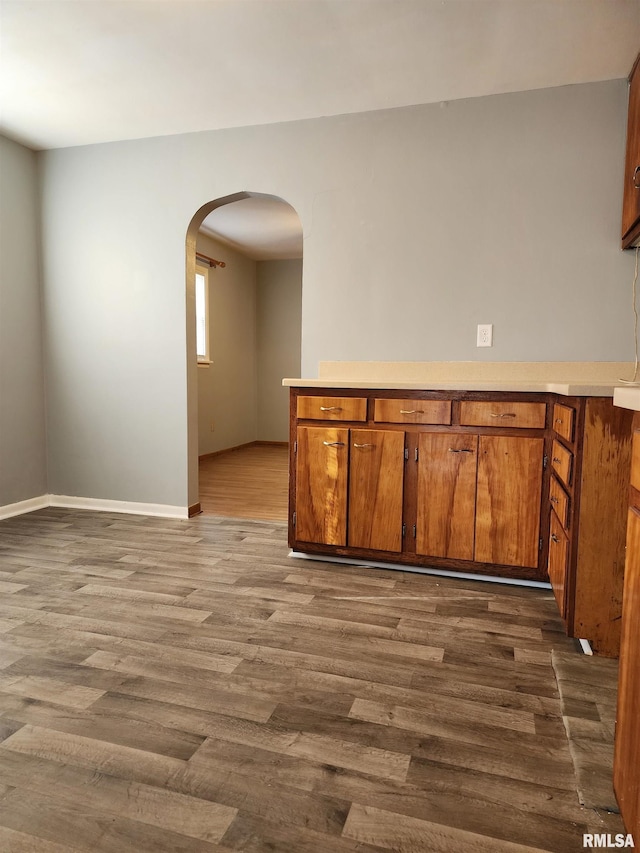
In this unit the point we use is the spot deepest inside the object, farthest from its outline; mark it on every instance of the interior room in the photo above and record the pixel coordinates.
(330, 544)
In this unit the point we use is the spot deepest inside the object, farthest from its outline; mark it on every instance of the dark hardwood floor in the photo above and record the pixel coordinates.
(185, 686)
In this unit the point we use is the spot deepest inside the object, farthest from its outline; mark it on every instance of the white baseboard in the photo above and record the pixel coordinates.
(129, 507)
(95, 504)
(19, 508)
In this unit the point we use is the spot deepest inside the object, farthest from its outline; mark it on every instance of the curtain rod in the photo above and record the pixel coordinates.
(212, 261)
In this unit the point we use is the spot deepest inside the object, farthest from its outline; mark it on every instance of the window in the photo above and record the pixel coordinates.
(202, 315)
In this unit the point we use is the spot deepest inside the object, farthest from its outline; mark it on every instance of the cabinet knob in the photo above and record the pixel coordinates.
(333, 443)
(634, 179)
(558, 420)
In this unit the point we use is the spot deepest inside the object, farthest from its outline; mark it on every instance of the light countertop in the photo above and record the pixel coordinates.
(627, 397)
(571, 379)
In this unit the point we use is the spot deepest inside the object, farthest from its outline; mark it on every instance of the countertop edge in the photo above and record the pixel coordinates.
(565, 389)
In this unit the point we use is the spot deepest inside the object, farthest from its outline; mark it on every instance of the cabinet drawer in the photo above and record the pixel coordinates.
(560, 502)
(332, 408)
(562, 462)
(412, 411)
(501, 414)
(558, 563)
(563, 421)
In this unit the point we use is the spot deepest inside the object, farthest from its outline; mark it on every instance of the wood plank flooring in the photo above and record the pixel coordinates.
(185, 686)
(251, 482)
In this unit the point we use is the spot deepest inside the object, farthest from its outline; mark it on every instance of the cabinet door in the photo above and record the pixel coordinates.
(376, 479)
(558, 563)
(626, 765)
(321, 485)
(447, 465)
(508, 500)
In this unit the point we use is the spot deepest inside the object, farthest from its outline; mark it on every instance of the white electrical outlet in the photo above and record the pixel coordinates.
(485, 335)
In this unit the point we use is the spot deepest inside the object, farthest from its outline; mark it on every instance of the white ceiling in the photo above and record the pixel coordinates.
(261, 228)
(74, 72)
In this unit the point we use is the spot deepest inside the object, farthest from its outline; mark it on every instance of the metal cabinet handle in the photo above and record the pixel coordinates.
(635, 175)
(462, 450)
(503, 415)
(411, 412)
(553, 499)
(558, 420)
(333, 443)
(363, 445)
(554, 538)
(555, 459)
(330, 409)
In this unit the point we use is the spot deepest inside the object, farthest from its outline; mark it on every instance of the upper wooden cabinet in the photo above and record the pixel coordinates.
(631, 194)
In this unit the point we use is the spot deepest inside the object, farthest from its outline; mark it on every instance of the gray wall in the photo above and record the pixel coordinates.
(279, 340)
(419, 223)
(23, 471)
(227, 388)
(254, 322)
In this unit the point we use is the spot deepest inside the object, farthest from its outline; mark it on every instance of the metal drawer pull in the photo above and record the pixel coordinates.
(555, 459)
(558, 420)
(363, 445)
(462, 450)
(411, 412)
(635, 175)
(333, 443)
(553, 499)
(554, 538)
(330, 409)
(504, 415)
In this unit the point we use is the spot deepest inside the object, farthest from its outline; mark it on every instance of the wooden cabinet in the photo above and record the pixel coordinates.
(507, 414)
(368, 512)
(398, 411)
(332, 408)
(321, 476)
(631, 191)
(626, 762)
(526, 486)
(478, 498)
(446, 495)
(416, 484)
(558, 563)
(508, 500)
(590, 459)
(376, 482)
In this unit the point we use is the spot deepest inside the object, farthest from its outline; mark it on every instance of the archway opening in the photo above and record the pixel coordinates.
(245, 251)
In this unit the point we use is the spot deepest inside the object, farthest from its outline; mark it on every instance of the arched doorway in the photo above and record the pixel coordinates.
(235, 398)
